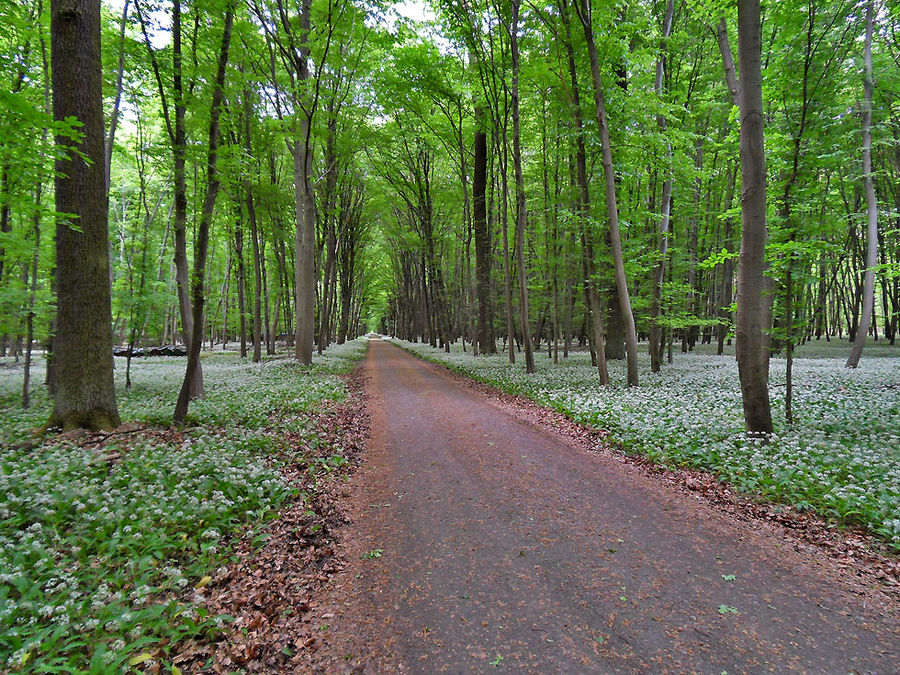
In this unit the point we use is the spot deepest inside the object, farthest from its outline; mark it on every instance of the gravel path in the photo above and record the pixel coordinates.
(507, 548)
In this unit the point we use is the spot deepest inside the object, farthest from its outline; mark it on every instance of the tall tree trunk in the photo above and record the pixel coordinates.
(871, 204)
(583, 207)
(507, 266)
(329, 224)
(734, 89)
(209, 203)
(85, 395)
(731, 79)
(659, 273)
(241, 281)
(304, 244)
(612, 211)
(254, 235)
(304, 196)
(482, 239)
(727, 296)
(178, 137)
(520, 192)
(36, 222)
(753, 308)
(179, 147)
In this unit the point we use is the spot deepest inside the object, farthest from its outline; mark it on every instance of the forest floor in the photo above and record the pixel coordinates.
(488, 533)
(410, 519)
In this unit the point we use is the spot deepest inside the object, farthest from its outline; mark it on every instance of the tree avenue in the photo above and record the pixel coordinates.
(511, 177)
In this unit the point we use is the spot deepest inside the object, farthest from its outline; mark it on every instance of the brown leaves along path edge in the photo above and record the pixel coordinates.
(311, 600)
(272, 590)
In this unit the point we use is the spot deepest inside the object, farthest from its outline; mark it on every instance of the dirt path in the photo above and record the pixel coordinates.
(508, 549)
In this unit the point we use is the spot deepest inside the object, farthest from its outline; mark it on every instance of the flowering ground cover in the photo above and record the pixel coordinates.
(840, 458)
(98, 542)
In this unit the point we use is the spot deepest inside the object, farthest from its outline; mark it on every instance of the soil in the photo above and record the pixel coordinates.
(481, 540)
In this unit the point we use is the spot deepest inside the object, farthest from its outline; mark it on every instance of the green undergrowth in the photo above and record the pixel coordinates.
(100, 544)
(840, 458)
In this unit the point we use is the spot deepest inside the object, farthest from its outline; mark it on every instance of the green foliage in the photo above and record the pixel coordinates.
(99, 548)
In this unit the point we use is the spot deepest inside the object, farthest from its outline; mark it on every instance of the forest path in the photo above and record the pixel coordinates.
(508, 549)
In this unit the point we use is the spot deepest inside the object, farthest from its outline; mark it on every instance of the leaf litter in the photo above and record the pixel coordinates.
(270, 590)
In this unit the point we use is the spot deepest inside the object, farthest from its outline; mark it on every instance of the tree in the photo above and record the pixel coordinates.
(85, 395)
(871, 203)
(520, 191)
(198, 277)
(584, 13)
(659, 274)
(177, 131)
(753, 305)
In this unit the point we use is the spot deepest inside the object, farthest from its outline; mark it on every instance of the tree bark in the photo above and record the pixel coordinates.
(482, 240)
(85, 395)
(304, 201)
(254, 235)
(659, 273)
(209, 203)
(520, 192)
(753, 306)
(178, 138)
(583, 207)
(241, 281)
(868, 299)
(611, 205)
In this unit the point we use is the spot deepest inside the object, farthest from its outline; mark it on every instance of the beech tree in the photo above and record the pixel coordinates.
(753, 313)
(868, 299)
(198, 278)
(84, 394)
(612, 208)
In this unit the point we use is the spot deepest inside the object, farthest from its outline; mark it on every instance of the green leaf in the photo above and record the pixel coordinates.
(140, 658)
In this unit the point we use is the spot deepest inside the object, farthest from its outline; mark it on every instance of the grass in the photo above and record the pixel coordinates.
(95, 556)
(840, 458)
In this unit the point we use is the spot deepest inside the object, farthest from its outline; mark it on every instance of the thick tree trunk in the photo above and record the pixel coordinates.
(305, 244)
(85, 395)
(304, 195)
(614, 348)
(753, 307)
(868, 299)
